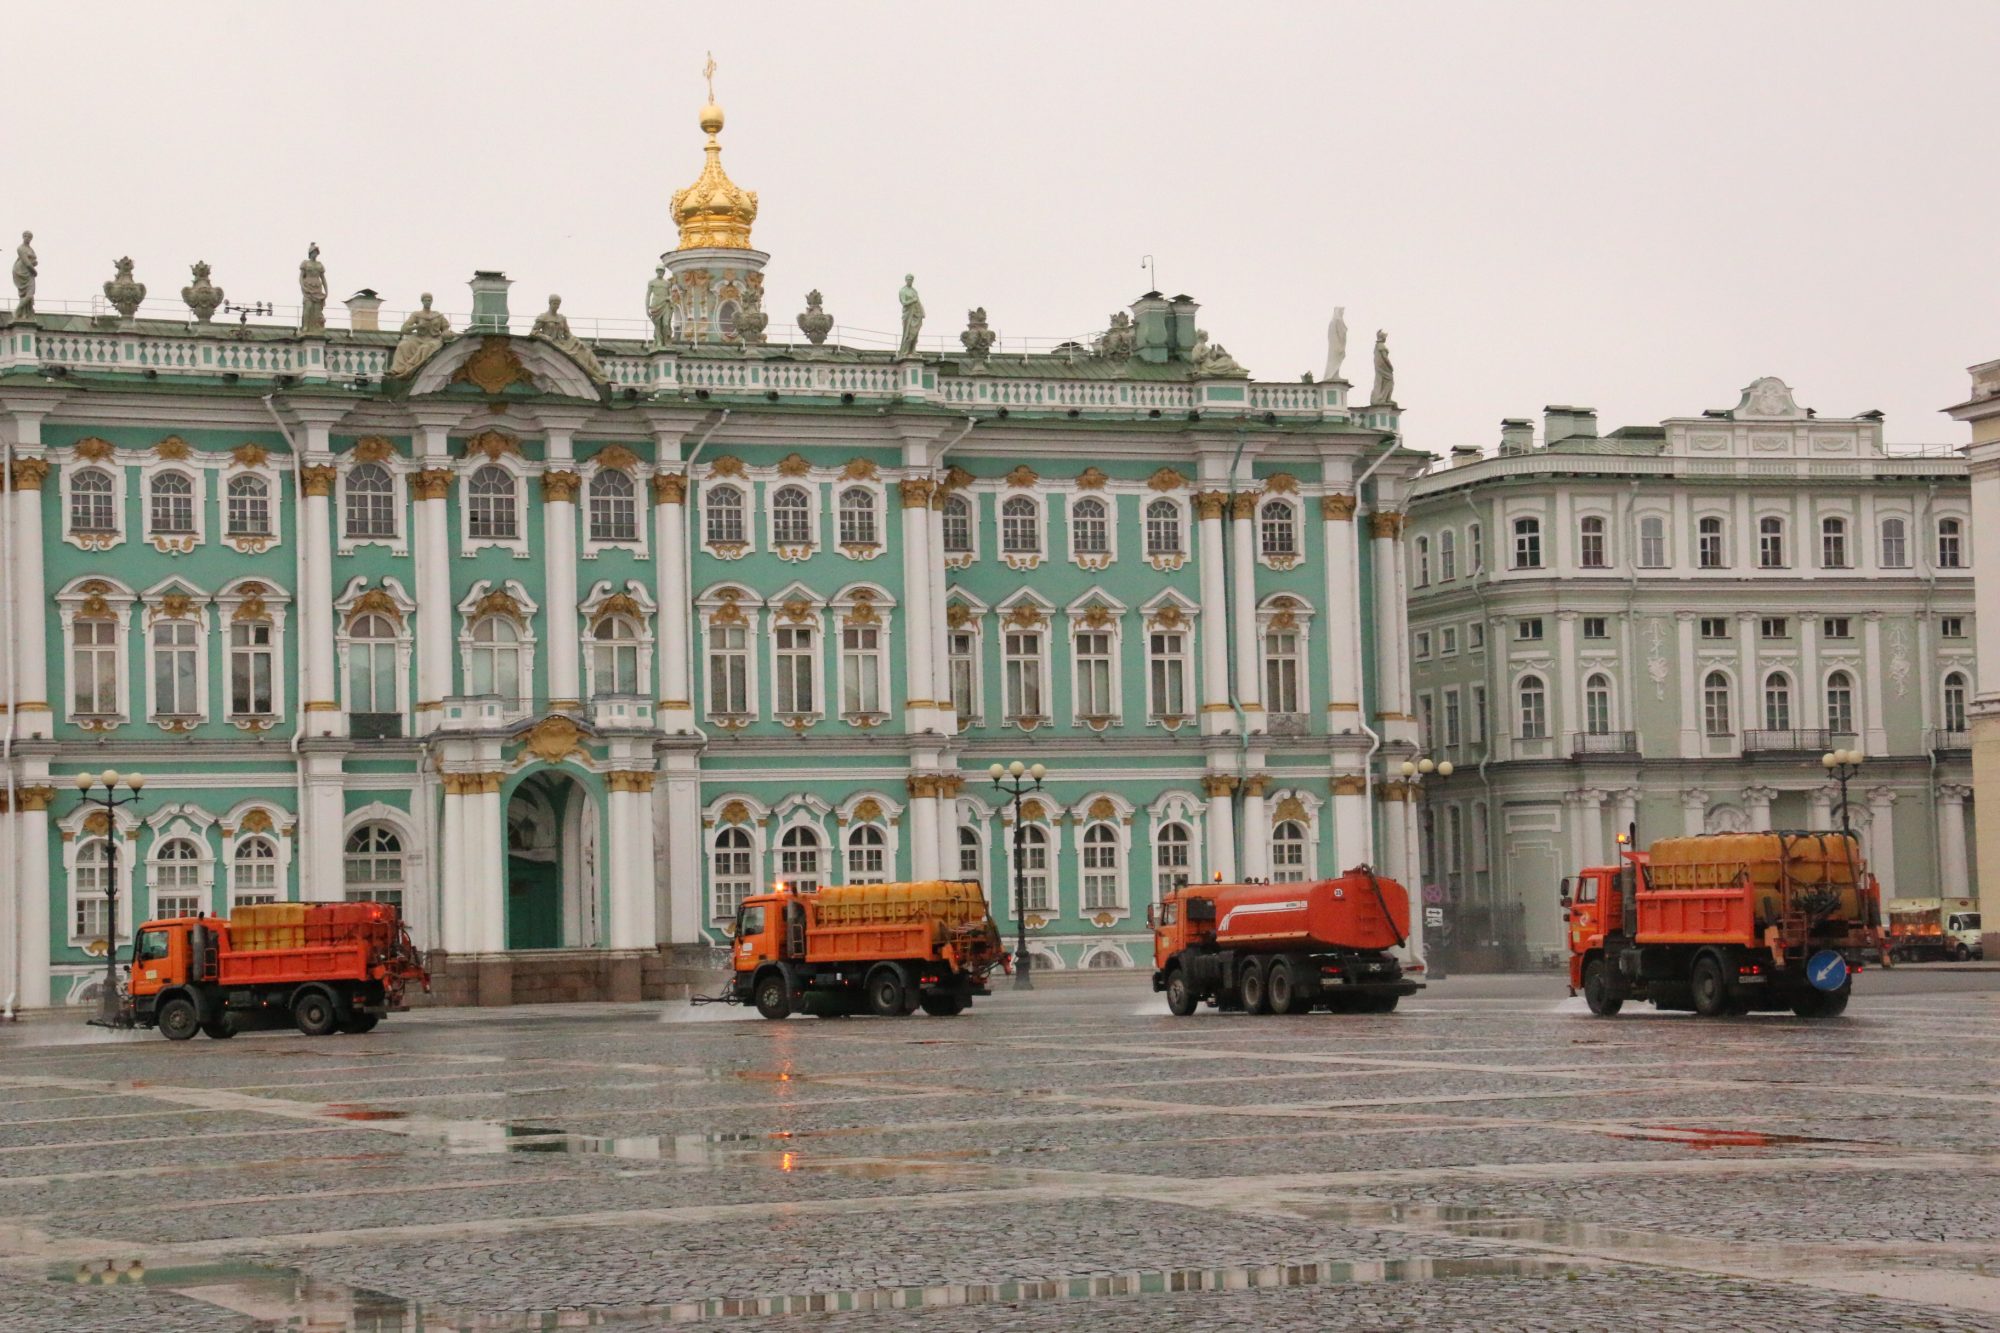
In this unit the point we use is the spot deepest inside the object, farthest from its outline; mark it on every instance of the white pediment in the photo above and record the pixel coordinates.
(1769, 399)
(494, 361)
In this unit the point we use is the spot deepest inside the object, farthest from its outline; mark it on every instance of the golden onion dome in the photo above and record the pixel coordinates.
(713, 213)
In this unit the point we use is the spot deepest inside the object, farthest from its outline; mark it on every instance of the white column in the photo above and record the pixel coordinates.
(322, 876)
(676, 705)
(435, 609)
(1217, 717)
(1566, 681)
(559, 488)
(315, 604)
(920, 701)
(947, 717)
(488, 854)
(1256, 827)
(1243, 617)
(28, 581)
(1221, 825)
(457, 929)
(1690, 696)
(1757, 806)
(1343, 617)
(1352, 845)
(1806, 700)
(1882, 840)
(923, 789)
(1749, 690)
(32, 887)
(633, 915)
(1627, 813)
(949, 785)
(1394, 843)
(1694, 811)
(1579, 844)
(1874, 731)
(1952, 866)
(1383, 527)
(685, 856)
(1821, 806)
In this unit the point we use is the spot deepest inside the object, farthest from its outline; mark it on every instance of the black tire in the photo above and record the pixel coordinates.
(1250, 985)
(221, 1028)
(887, 995)
(1961, 954)
(1181, 999)
(1283, 989)
(1821, 1004)
(1710, 987)
(772, 997)
(943, 1004)
(315, 1013)
(1598, 992)
(178, 1019)
(359, 1022)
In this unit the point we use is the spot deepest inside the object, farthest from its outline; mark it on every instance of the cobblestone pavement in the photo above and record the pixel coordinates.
(1488, 1158)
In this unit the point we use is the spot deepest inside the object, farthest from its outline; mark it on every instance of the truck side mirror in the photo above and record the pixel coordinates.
(1152, 916)
(1563, 893)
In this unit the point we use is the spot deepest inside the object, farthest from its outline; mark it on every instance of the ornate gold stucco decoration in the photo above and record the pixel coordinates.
(957, 478)
(94, 450)
(1281, 483)
(30, 473)
(560, 486)
(729, 613)
(1339, 507)
(256, 821)
(670, 488)
(1101, 808)
(797, 610)
(493, 367)
(1097, 616)
(1291, 808)
(1022, 477)
(1168, 617)
(618, 604)
(493, 443)
(376, 602)
(615, 455)
(554, 739)
(174, 606)
(1210, 504)
(372, 449)
(1387, 523)
(1166, 479)
(1092, 479)
(629, 779)
(868, 810)
(1243, 505)
(97, 824)
(173, 447)
(1033, 809)
(794, 465)
(863, 612)
(916, 492)
(250, 454)
(1286, 612)
(1025, 615)
(1350, 784)
(499, 602)
(860, 469)
(1218, 784)
(433, 484)
(735, 812)
(95, 607)
(250, 609)
(729, 465)
(319, 480)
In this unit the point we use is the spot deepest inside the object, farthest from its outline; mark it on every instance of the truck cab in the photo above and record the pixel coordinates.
(1594, 903)
(1184, 917)
(769, 927)
(170, 953)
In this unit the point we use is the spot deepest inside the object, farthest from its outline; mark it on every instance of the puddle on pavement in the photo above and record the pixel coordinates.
(285, 1299)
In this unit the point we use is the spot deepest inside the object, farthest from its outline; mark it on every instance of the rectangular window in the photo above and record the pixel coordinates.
(1591, 552)
(964, 649)
(1528, 628)
(1423, 641)
(1281, 672)
(1167, 650)
(1475, 636)
(1951, 544)
(251, 664)
(249, 505)
(1475, 547)
(1836, 627)
(1479, 715)
(93, 916)
(1451, 719)
(1715, 627)
(1426, 721)
(175, 682)
(1653, 542)
(1774, 627)
(1771, 543)
(860, 669)
(1448, 641)
(1527, 543)
(1708, 543)
(1024, 683)
(1093, 674)
(1035, 872)
(1951, 627)
(728, 670)
(1100, 874)
(1596, 627)
(94, 669)
(795, 670)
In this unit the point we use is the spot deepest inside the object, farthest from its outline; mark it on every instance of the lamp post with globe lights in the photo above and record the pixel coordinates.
(1415, 772)
(110, 1012)
(1843, 766)
(1017, 780)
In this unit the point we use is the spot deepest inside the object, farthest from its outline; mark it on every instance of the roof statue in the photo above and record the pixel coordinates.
(201, 295)
(312, 292)
(124, 291)
(913, 315)
(712, 213)
(552, 327)
(425, 332)
(660, 307)
(1384, 392)
(1336, 343)
(26, 266)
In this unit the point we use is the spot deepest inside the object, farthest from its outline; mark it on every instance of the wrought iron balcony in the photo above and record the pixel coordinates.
(1582, 743)
(1950, 740)
(375, 726)
(1798, 740)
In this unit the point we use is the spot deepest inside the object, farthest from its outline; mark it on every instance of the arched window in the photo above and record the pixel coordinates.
(249, 507)
(957, 525)
(969, 855)
(1447, 555)
(1708, 543)
(1534, 700)
(177, 683)
(1090, 533)
(1100, 868)
(1034, 854)
(1652, 542)
(371, 666)
(614, 657)
(1771, 542)
(1173, 860)
(1288, 852)
(1895, 544)
(1954, 702)
(1527, 543)
(1715, 704)
(791, 517)
(1777, 702)
(94, 669)
(723, 507)
(1278, 528)
(1833, 543)
(1020, 526)
(373, 865)
(92, 498)
(90, 885)
(1590, 544)
(857, 517)
(176, 873)
(370, 509)
(1163, 528)
(253, 668)
(1284, 670)
(254, 872)
(173, 503)
(732, 872)
(496, 659)
(1840, 703)
(1423, 562)
(1104, 960)
(493, 513)
(867, 855)
(1475, 548)
(1597, 704)
(614, 507)
(798, 857)
(1951, 544)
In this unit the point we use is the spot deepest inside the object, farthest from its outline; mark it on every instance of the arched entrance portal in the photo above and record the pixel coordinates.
(552, 864)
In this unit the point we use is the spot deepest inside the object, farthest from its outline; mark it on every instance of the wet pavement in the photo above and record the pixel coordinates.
(1488, 1158)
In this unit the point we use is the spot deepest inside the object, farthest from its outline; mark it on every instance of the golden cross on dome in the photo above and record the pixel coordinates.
(708, 72)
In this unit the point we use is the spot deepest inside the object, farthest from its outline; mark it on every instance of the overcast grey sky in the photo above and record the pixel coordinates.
(1638, 208)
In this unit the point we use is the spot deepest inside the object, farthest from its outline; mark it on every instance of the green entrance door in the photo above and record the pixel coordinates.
(534, 904)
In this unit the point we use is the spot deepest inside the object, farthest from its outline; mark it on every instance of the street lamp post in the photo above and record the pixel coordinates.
(1414, 772)
(1843, 766)
(110, 1012)
(1017, 780)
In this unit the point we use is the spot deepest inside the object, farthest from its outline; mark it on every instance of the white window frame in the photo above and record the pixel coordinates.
(1526, 531)
(1029, 559)
(257, 818)
(1835, 529)
(1281, 871)
(878, 510)
(746, 495)
(1721, 536)
(1165, 561)
(274, 504)
(1092, 560)
(593, 474)
(1783, 682)
(1654, 550)
(1453, 715)
(1116, 877)
(789, 551)
(1855, 714)
(1602, 535)
(731, 601)
(1448, 641)
(1447, 553)
(75, 826)
(371, 890)
(1540, 713)
(348, 611)
(1112, 626)
(78, 602)
(69, 464)
(1961, 544)
(1901, 541)
(815, 621)
(1025, 612)
(198, 615)
(1708, 689)
(1610, 695)
(174, 543)
(469, 616)
(242, 894)
(972, 623)
(1174, 808)
(1423, 563)
(511, 467)
(865, 606)
(739, 885)
(180, 824)
(801, 821)
(397, 540)
(238, 602)
(959, 559)
(1766, 537)
(1049, 876)
(634, 606)
(1958, 717)
(876, 844)
(1294, 520)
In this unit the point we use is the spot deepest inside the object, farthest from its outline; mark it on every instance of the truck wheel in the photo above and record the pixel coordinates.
(773, 999)
(220, 1028)
(314, 1013)
(1281, 988)
(1821, 1004)
(1597, 992)
(1181, 999)
(1250, 984)
(1710, 987)
(178, 1019)
(1961, 954)
(886, 993)
(942, 1004)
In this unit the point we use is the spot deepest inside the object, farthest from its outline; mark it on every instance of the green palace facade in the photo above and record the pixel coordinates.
(567, 644)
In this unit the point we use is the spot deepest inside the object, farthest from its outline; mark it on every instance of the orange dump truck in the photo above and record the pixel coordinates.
(1725, 923)
(886, 949)
(1283, 948)
(325, 967)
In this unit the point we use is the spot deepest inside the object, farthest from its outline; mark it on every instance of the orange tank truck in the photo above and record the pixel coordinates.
(325, 967)
(1725, 923)
(1283, 948)
(886, 949)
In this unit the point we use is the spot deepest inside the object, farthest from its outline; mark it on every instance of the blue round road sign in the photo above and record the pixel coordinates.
(1826, 970)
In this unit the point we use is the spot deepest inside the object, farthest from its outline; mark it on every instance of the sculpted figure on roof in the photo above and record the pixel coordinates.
(425, 332)
(913, 314)
(1384, 392)
(552, 327)
(660, 305)
(312, 292)
(1116, 343)
(26, 266)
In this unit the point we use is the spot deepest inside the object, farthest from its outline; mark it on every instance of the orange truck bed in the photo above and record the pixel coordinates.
(1718, 888)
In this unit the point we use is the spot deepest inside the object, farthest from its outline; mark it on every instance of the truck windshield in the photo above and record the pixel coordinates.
(150, 946)
(750, 923)
(1965, 921)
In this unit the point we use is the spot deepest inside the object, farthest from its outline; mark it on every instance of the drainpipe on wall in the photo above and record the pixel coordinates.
(1482, 580)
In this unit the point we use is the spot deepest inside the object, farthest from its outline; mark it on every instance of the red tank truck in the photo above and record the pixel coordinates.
(1284, 948)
